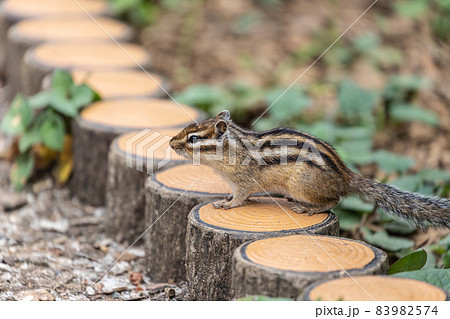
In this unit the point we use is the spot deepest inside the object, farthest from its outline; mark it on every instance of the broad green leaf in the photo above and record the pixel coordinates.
(391, 162)
(411, 113)
(354, 203)
(21, 170)
(59, 102)
(18, 117)
(383, 240)
(413, 261)
(437, 277)
(52, 132)
(28, 139)
(409, 183)
(445, 241)
(40, 100)
(61, 81)
(366, 42)
(357, 151)
(436, 176)
(204, 97)
(446, 259)
(285, 106)
(396, 227)
(398, 87)
(412, 8)
(82, 95)
(356, 102)
(347, 219)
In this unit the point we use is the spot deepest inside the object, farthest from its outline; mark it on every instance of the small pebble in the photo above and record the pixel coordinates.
(90, 291)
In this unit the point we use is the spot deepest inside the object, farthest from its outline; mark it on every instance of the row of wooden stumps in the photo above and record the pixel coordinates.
(262, 248)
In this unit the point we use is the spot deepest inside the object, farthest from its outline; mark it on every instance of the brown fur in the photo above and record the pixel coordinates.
(313, 186)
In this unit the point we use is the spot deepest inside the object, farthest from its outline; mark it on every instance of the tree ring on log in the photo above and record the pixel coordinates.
(31, 32)
(77, 55)
(379, 288)
(101, 122)
(131, 159)
(214, 234)
(170, 196)
(285, 266)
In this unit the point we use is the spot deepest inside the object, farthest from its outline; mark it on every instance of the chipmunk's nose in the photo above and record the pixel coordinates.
(173, 144)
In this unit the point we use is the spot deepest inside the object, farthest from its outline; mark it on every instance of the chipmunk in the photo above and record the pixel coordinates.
(305, 169)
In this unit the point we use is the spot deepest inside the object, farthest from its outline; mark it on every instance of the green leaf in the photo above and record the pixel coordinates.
(438, 277)
(396, 227)
(446, 259)
(391, 162)
(409, 183)
(82, 95)
(59, 102)
(204, 97)
(52, 131)
(366, 42)
(21, 170)
(355, 102)
(347, 219)
(413, 261)
(18, 117)
(383, 240)
(285, 107)
(28, 139)
(61, 81)
(40, 100)
(398, 86)
(412, 8)
(411, 113)
(354, 203)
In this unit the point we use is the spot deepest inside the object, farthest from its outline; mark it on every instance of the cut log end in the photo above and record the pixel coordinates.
(103, 121)
(31, 32)
(123, 83)
(214, 234)
(135, 114)
(379, 288)
(84, 55)
(131, 158)
(170, 196)
(19, 10)
(285, 266)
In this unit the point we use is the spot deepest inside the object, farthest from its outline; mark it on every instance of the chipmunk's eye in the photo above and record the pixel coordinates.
(193, 139)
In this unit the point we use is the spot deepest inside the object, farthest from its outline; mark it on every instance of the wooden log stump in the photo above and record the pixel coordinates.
(123, 84)
(379, 288)
(97, 126)
(28, 33)
(214, 234)
(83, 55)
(285, 266)
(132, 157)
(170, 196)
(12, 11)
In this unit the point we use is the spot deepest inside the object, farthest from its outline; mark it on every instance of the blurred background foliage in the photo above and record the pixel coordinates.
(380, 95)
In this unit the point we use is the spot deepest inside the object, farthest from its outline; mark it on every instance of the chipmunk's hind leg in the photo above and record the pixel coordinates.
(310, 208)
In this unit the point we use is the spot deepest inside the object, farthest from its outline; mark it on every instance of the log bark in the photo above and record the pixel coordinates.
(28, 33)
(100, 123)
(379, 288)
(84, 55)
(125, 195)
(167, 210)
(210, 246)
(265, 278)
(12, 12)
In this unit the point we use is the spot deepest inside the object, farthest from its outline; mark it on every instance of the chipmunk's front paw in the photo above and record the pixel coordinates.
(221, 204)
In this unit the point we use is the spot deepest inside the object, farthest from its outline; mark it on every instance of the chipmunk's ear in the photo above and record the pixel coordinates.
(224, 115)
(221, 127)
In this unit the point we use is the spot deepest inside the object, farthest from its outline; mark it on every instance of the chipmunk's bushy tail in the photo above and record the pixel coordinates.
(420, 210)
